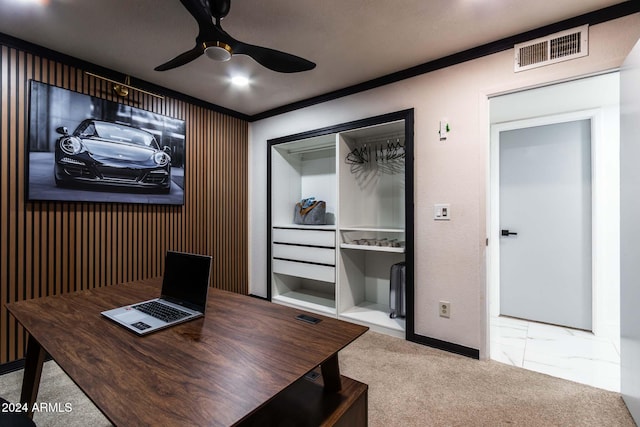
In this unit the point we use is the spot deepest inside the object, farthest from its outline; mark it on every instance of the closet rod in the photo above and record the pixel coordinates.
(382, 139)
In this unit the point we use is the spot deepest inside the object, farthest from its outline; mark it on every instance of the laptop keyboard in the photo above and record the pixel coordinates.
(161, 311)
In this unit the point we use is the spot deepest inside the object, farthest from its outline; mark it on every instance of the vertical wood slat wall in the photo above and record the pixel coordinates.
(49, 248)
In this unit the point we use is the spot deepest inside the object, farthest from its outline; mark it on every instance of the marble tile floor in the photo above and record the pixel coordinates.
(561, 352)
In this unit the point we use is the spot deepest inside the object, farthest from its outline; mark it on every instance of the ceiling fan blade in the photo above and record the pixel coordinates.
(211, 33)
(273, 59)
(182, 59)
(200, 10)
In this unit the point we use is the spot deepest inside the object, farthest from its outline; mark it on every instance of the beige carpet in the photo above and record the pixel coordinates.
(409, 385)
(414, 385)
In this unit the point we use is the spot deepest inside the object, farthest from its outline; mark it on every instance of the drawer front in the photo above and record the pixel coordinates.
(305, 253)
(305, 237)
(308, 271)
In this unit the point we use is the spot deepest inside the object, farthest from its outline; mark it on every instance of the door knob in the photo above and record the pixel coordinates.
(508, 233)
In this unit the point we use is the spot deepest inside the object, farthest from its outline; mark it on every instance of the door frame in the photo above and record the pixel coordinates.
(493, 232)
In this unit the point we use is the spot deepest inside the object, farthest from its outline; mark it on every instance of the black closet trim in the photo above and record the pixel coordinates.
(407, 116)
(592, 18)
(446, 346)
(409, 222)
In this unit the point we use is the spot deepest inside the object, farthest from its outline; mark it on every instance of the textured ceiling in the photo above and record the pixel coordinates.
(350, 41)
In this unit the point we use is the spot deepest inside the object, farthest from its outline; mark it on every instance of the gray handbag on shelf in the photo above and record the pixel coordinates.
(308, 212)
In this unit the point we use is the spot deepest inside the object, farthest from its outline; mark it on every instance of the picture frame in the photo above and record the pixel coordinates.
(81, 148)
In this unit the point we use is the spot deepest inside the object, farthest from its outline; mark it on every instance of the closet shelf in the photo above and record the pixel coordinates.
(308, 300)
(374, 314)
(372, 228)
(306, 227)
(372, 248)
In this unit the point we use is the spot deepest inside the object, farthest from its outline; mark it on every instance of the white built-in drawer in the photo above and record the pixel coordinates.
(305, 253)
(305, 237)
(301, 269)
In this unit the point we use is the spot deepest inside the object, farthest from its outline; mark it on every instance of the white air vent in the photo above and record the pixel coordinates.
(554, 48)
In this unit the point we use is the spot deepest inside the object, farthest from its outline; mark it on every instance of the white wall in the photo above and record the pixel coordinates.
(630, 232)
(449, 256)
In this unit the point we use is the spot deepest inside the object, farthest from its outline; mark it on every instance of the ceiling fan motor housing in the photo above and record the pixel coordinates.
(218, 51)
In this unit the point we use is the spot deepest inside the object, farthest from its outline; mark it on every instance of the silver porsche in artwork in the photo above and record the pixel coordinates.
(111, 154)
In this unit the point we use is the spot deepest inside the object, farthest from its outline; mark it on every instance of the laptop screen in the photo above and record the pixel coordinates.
(186, 279)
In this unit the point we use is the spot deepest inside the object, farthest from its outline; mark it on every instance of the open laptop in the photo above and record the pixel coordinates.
(184, 296)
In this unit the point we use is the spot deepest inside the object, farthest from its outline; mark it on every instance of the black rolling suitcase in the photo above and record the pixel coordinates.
(397, 294)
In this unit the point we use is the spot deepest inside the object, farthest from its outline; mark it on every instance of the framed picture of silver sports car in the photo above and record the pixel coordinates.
(87, 149)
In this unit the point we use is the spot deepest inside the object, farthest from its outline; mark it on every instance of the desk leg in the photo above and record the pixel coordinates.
(32, 371)
(331, 374)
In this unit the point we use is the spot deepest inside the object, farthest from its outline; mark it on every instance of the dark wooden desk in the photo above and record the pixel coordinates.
(217, 370)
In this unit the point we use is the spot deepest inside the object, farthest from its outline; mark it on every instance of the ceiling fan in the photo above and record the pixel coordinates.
(213, 41)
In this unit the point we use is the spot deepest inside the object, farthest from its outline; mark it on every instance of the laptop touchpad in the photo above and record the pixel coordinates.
(130, 316)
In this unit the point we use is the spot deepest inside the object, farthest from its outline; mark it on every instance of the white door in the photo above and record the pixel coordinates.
(545, 223)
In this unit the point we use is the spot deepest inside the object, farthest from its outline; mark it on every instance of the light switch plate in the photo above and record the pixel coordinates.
(441, 212)
(444, 129)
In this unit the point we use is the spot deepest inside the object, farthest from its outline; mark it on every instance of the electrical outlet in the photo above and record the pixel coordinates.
(445, 309)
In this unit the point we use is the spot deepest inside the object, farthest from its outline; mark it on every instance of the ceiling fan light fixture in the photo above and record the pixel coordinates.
(218, 51)
(240, 81)
(208, 15)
